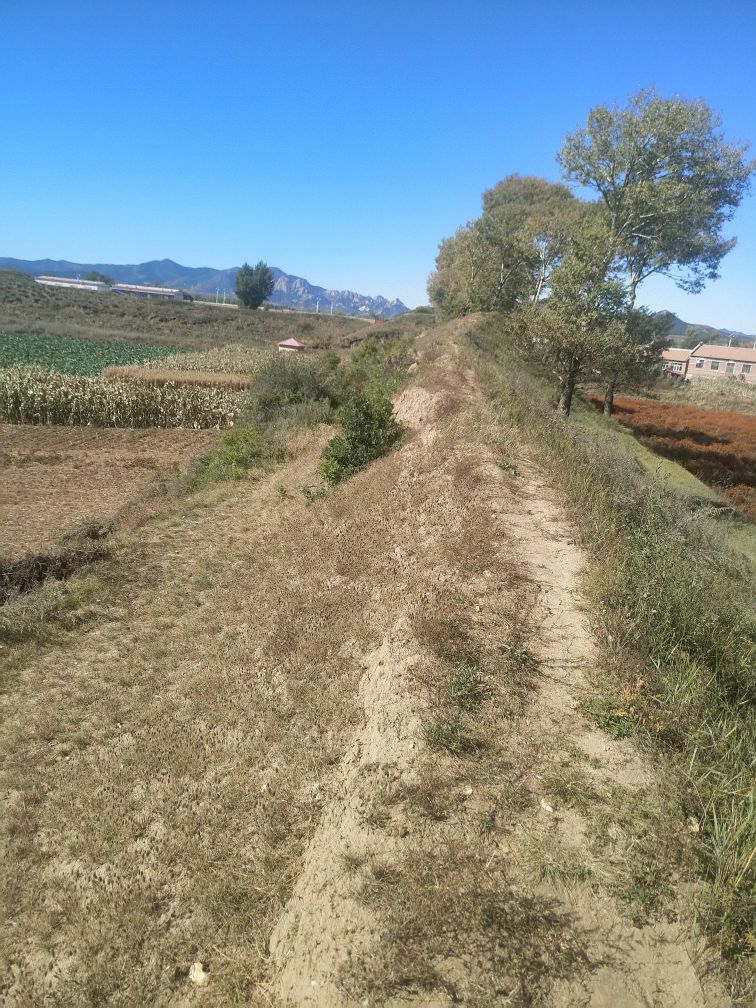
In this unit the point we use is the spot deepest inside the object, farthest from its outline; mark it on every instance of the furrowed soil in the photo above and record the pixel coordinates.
(53, 478)
(333, 754)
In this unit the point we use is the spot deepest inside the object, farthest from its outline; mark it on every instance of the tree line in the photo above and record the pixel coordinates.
(663, 182)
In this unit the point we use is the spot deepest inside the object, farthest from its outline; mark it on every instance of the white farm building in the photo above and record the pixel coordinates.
(141, 290)
(73, 283)
(136, 290)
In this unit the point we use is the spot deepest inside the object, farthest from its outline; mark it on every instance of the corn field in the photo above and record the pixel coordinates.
(233, 358)
(30, 395)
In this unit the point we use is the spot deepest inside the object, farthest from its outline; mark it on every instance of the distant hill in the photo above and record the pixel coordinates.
(289, 292)
(679, 329)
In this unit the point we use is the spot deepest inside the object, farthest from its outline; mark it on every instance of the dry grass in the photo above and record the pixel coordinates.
(721, 394)
(230, 358)
(28, 307)
(53, 478)
(461, 930)
(175, 762)
(717, 446)
(147, 729)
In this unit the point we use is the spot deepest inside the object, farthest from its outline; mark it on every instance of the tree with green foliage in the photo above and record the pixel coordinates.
(368, 429)
(668, 182)
(642, 335)
(254, 284)
(505, 257)
(99, 277)
(579, 330)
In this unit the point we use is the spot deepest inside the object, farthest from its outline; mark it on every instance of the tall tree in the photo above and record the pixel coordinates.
(579, 330)
(506, 256)
(254, 284)
(668, 181)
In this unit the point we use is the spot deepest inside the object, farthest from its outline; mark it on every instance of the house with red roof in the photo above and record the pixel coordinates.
(675, 362)
(708, 360)
(291, 346)
(711, 360)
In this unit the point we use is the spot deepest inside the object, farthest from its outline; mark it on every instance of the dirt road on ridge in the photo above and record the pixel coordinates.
(334, 753)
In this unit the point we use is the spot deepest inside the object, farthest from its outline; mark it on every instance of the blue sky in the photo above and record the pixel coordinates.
(339, 141)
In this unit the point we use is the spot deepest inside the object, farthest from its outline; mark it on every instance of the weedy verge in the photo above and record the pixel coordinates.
(673, 608)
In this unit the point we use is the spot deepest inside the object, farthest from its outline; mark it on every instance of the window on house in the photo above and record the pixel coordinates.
(699, 363)
(730, 369)
(715, 365)
(745, 369)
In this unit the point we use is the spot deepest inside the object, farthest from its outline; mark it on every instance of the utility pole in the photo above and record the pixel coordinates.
(217, 292)
(317, 307)
(331, 307)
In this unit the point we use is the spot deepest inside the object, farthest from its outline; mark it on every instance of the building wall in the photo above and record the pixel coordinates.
(676, 368)
(721, 368)
(90, 285)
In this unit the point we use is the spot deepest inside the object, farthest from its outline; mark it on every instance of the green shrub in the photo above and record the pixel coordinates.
(241, 448)
(286, 380)
(368, 430)
(380, 364)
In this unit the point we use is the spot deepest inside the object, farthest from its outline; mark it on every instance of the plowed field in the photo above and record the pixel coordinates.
(52, 478)
(717, 446)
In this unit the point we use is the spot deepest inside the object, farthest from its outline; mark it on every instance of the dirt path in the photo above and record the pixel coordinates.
(334, 753)
(327, 923)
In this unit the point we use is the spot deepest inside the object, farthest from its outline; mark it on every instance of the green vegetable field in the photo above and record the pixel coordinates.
(75, 356)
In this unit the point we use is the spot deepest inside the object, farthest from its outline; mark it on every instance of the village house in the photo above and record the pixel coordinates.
(710, 360)
(675, 361)
(291, 346)
(707, 360)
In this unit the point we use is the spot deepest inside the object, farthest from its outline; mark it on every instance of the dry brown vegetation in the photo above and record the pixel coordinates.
(334, 752)
(29, 307)
(169, 376)
(53, 478)
(721, 394)
(717, 446)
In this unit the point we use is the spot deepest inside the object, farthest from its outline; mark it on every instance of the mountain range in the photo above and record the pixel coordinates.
(705, 333)
(289, 291)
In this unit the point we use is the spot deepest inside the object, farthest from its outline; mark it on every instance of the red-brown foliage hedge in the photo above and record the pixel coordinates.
(717, 446)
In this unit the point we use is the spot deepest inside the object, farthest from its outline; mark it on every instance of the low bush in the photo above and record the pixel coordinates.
(380, 364)
(284, 381)
(368, 429)
(241, 449)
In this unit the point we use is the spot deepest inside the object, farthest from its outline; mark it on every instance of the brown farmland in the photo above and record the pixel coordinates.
(53, 478)
(168, 376)
(717, 446)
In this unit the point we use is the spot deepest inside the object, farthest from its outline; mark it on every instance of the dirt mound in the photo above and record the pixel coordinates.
(335, 753)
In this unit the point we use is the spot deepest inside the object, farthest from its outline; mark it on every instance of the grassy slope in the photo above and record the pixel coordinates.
(675, 611)
(677, 478)
(28, 307)
(742, 534)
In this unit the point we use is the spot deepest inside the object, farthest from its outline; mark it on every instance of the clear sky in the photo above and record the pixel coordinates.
(340, 141)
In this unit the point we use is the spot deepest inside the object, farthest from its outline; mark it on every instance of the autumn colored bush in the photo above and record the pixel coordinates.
(717, 446)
